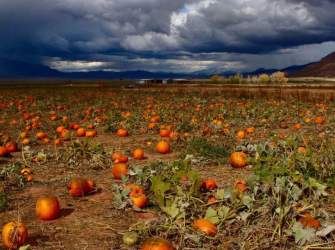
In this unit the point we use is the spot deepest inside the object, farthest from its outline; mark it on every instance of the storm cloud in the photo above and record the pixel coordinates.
(174, 35)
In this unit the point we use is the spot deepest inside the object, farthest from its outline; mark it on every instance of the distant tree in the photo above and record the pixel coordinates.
(216, 79)
(236, 79)
(264, 78)
(254, 79)
(279, 77)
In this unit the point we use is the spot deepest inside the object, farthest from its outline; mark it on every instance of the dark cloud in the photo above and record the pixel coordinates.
(172, 35)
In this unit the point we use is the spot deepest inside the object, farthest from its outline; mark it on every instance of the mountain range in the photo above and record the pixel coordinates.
(12, 69)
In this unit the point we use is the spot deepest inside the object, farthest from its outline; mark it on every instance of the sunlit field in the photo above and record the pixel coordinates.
(179, 167)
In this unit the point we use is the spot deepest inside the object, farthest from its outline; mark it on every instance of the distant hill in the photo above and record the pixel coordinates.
(324, 68)
(18, 69)
(11, 69)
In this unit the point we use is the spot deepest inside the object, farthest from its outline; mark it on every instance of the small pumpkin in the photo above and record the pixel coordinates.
(121, 132)
(163, 147)
(164, 133)
(240, 134)
(238, 159)
(80, 132)
(91, 133)
(3, 151)
(307, 220)
(205, 226)
(240, 186)
(41, 135)
(156, 243)
(79, 187)
(134, 189)
(119, 158)
(139, 200)
(11, 147)
(138, 154)
(119, 170)
(209, 184)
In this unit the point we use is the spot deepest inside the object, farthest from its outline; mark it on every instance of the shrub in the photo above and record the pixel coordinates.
(216, 79)
(279, 77)
(236, 79)
(264, 78)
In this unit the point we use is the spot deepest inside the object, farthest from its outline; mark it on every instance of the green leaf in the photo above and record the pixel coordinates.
(295, 192)
(220, 194)
(212, 215)
(224, 212)
(303, 235)
(159, 187)
(247, 201)
(172, 210)
(320, 189)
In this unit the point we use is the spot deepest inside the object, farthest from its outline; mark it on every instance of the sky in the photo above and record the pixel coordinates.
(167, 35)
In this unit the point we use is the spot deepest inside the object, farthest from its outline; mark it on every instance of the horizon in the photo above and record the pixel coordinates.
(207, 36)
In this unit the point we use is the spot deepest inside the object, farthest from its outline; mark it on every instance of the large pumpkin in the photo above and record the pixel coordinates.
(47, 208)
(14, 235)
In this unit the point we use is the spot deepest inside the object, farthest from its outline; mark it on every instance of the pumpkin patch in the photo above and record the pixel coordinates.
(174, 167)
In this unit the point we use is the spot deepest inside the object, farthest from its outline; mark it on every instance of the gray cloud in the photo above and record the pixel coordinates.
(166, 35)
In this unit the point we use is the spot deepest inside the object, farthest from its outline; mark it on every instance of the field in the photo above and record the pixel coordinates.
(246, 168)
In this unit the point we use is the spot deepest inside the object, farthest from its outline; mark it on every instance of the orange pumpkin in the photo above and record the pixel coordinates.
(302, 150)
(240, 134)
(60, 129)
(11, 147)
(156, 244)
(164, 133)
(120, 170)
(58, 142)
(138, 154)
(80, 132)
(25, 141)
(238, 159)
(211, 199)
(91, 133)
(209, 184)
(241, 186)
(47, 208)
(139, 200)
(119, 158)
(74, 126)
(250, 130)
(205, 226)
(3, 151)
(29, 178)
(46, 140)
(155, 119)
(319, 120)
(80, 187)
(297, 126)
(134, 189)
(122, 132)
(41, 135)
(307, 220)
(14, 235)
(163, 147)
(151, 125)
